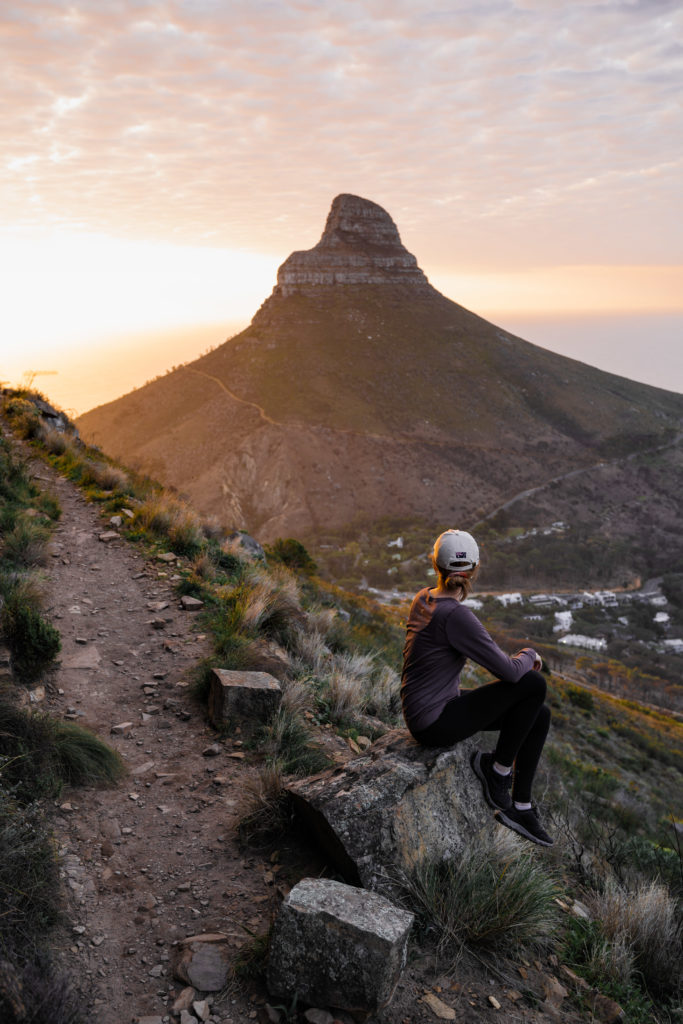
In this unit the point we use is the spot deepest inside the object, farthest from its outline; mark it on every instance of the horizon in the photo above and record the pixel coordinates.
(161, 163)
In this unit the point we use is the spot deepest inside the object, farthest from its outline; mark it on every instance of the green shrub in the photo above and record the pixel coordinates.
(25, 544)
(29, 877)
(293, 554)
(494, 896)
(33, 641)
(44, 753)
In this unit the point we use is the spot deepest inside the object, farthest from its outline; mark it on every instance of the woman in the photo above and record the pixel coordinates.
(442, 633)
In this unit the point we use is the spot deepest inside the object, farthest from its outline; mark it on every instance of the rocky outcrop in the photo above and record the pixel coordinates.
(385, 812)
(334, 945)
(360, 245)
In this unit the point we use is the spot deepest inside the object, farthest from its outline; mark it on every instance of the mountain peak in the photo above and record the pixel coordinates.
(360, 245)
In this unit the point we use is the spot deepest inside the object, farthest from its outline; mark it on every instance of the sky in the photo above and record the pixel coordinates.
(159, 159)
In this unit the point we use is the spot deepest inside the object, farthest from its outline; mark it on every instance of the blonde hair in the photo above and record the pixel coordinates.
(457, 581)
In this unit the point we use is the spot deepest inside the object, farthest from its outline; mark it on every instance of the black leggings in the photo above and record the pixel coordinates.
(516, 709)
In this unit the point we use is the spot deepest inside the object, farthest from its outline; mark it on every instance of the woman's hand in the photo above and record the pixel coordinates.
(538, 664)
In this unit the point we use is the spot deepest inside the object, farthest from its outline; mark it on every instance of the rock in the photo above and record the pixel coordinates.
(108, 536)
(606, 1009)
(414, 804)
(553, 990)
(37, 696)
(240, 543)
(494, 1003)
(167, 556)
(203, 961)
(438, 1007)
(314, 1016)
(213, 751)
(121, 729)
(116, 521)
(202, 1010)
(184, 1000)
(251, 697)
(360, 245)
(338, 946)
(187, 1018)
(190, 604)
(157, 606)
(152, 1019)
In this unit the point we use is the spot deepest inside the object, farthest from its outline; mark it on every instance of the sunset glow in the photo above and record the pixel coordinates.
(160, 160)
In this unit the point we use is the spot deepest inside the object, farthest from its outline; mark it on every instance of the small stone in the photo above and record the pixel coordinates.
(439, 1008)
(191, 604)
(78, 929)
(106, 538)
(213, 751)
(184, 1000)
(157, 971)
(202, 1009)
(157, 623)
(121, 728)
(97, 940)
(116, 521)
(187, 1018)
(133, 796)
(129, 514)
(166, 556)
(157, 606)
(494, 1003)
(81, 640)
(364, 742)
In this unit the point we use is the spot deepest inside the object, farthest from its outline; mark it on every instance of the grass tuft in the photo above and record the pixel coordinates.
(43, 753)
(494, 897)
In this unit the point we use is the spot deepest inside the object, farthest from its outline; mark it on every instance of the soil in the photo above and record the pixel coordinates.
(157, 857)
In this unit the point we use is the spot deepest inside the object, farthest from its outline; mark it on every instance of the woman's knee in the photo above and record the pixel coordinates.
(534, 685)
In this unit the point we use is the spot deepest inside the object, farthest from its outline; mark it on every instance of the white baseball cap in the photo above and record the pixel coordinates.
(456, 549)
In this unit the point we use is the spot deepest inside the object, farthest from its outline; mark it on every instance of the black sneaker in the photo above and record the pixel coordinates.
(526, 824)
(496, 786)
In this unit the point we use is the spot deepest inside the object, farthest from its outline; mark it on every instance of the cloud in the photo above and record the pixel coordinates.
(493, 131)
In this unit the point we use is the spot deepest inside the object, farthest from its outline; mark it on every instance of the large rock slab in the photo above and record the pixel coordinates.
(335, 945)
(250, 697)
(398, 805)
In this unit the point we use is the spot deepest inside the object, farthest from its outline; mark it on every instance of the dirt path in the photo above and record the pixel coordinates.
(155, 859)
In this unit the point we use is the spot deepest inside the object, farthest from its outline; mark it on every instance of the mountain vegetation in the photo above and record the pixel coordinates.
(610, 783)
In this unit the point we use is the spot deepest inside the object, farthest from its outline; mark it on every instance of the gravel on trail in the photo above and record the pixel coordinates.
(155, 858)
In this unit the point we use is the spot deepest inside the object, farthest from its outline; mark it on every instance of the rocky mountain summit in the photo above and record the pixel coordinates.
(360, 245)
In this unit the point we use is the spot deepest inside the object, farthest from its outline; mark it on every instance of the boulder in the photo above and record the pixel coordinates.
(242, 544)
(398, 804)
(336, 945)
(251, 697)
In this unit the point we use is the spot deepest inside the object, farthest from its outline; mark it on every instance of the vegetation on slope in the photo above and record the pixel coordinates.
(609, 780)
(38, 754)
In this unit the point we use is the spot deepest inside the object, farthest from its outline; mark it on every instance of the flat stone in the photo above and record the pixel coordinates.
(191, 604)
(203, 961)
(184, 1000)
(108, 536)
(167, 556)
(89, 658)
(121, 729)
(339, 946)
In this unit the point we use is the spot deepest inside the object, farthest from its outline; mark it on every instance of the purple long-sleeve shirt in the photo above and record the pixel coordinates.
(442, 634)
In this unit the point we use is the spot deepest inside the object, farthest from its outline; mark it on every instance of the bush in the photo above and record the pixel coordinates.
(25, 545)
(494, 897)
(33, 641)
(43, 753)
(644, 920)
(293, 554)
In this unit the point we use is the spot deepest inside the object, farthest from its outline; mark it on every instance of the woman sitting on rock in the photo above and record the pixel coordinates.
(441, 634)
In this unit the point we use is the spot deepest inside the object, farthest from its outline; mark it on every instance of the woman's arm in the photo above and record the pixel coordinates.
(466, 634)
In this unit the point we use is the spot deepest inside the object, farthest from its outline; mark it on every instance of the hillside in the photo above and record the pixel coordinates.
(359, 391)
(161, 855)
